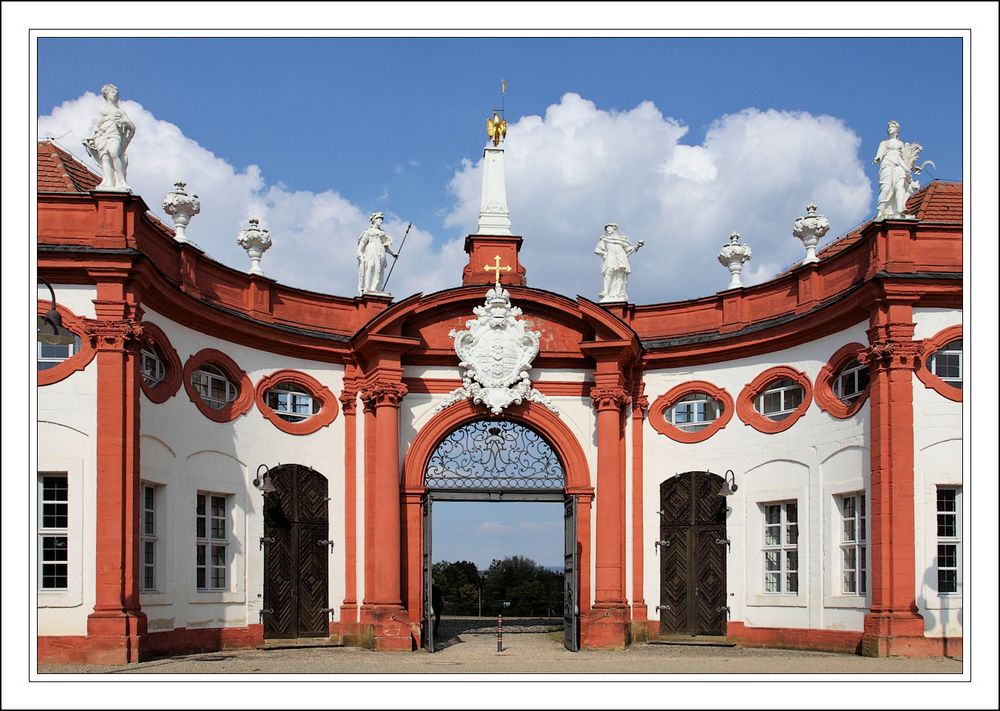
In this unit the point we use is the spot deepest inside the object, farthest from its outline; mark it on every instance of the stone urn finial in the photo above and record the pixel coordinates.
(733, 256)
(810, 229)
(181, 207)
(255, 241)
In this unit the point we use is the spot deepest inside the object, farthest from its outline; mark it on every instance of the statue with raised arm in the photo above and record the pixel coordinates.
(897, 164)
(113, 131)
(614, 249)
(373, 244)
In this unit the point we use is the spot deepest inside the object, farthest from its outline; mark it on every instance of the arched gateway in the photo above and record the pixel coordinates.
(526, 455)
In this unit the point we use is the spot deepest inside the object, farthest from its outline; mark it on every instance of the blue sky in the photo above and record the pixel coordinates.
(681, 141)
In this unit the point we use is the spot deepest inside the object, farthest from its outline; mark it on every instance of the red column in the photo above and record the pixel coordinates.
(117, 626)
(383, 588)
(609, 614)
(893, 626)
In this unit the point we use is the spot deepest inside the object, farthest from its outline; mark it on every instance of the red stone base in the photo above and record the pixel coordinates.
(894, 634)
(793, 638)
(393, 630)
(608, 628)
(94, 649)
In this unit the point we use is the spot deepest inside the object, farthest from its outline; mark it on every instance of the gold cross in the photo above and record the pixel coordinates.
(498, 269)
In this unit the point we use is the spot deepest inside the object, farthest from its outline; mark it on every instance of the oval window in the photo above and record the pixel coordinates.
(851, 381)
(291, 402)
(946, 363)
(694, 412)
(214, 387)
(779, 399)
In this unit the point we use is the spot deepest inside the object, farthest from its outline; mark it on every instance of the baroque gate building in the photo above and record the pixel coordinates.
(779, 464)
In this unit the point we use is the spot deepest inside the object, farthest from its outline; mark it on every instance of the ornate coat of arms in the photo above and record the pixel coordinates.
(495, 355)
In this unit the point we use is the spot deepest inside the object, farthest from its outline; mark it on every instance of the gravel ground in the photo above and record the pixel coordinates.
(470, 647)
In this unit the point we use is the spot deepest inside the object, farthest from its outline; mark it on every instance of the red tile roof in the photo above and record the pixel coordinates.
(938, 202)
(59, 172)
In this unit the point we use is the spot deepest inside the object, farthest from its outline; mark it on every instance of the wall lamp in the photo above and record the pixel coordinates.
(263, 482)
(59, 336)
(728, 487)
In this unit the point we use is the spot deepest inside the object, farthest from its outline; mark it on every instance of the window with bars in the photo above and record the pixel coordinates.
(151, 367)
(780, 399)
(214, 387)
(851, 382)
(949, 540)
(946, 363)
(211, 545)
(781, 548)
(694, 412)
(53, 531)
(291, 402)
(853, 544)
(148, 537)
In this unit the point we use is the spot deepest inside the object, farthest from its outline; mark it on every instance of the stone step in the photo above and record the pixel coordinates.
(300, 643)
(695, 641)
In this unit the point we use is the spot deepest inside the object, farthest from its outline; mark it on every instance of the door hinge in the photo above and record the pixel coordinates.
(265, 539)
(725, 541)
(263, 612)
(723, 607)
(657, 544)
(663, 607)
(326, 543)
(327, 610)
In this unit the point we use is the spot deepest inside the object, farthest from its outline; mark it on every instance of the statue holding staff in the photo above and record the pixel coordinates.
(373, 244)
(614, 249)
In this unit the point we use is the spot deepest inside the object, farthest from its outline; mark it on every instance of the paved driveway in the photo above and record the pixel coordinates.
(474, 651)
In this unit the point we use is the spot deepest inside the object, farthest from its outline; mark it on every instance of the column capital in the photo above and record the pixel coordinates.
(381, 393)
(892, 354)
(605, 397)
(349, 401)
(115, 335)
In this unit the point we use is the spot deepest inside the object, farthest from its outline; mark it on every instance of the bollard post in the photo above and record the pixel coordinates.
(499, 633)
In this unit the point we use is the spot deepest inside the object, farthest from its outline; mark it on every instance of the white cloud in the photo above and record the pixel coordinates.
(314, 234)
(579, 167)
(568, 173)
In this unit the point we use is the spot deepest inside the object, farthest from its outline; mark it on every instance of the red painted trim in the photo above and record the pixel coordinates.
(750, 416)
(794, 638)
(79, 649)
(328, 403)
(659, 422)
(244, 398)
(640, 406)
(76, 362)
(825, 397)
(931, 345)
(172, 368)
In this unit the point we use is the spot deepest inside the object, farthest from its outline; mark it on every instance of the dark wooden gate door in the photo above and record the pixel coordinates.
(693, 547)
(296, 554)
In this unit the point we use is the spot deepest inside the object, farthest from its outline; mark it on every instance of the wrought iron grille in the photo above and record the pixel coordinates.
(494, 454)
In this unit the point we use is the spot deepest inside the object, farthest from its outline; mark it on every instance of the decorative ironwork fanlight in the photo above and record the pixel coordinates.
(494, 454)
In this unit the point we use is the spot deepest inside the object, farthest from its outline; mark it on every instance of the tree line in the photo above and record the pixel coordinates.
(515, 586)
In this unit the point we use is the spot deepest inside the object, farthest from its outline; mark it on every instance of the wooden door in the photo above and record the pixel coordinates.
(296, 554)
(693, 548)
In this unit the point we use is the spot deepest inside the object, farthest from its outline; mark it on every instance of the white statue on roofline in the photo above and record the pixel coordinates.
(113, 131)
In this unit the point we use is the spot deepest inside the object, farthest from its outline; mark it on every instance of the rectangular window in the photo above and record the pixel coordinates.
(949, 540)
(781, 548)
(211, 546)
(853, 544)
(53, 531)
(148, 537)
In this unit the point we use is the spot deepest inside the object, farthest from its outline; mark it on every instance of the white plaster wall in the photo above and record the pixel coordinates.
(67, 427)
(184, 453)
(937, 461)
(811, 462)
(78, 298)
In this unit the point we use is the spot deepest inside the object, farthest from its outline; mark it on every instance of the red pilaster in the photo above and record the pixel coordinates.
(893, 626)
(349, 406)
(640, 613)
(117, 626)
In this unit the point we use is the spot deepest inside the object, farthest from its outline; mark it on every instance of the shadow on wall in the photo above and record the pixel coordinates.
(942, 618)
